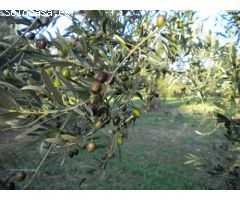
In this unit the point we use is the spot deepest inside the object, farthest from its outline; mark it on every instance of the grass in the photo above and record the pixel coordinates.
(152, 158)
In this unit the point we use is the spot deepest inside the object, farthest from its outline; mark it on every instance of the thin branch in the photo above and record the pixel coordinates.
(46, 155)
(17, 40)
(48, 112)
(130, 53)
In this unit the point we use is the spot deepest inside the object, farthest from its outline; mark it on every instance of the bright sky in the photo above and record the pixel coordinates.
(212, 22)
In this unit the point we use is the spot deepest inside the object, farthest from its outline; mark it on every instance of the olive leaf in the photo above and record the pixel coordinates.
(29, 130)
(68, 84)
(37, 88)
(55, 140)
(68, 138)
(219, 105)
(120, 40)
(49, 85)
(9, 116)
(6, 100)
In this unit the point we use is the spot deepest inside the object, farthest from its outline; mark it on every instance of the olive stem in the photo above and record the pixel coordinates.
(10, 61)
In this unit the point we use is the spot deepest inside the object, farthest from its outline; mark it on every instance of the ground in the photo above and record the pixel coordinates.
(153, 157)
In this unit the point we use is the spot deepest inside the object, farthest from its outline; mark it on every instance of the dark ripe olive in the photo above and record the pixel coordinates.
(70, 154)
(20, 176)
(76, 152)
(148, 66)
(30, 35)
(44, 21)
(102, 77)
(116, 119)
(41, 43)
(10, 185)
(94, 108)
(96, 87)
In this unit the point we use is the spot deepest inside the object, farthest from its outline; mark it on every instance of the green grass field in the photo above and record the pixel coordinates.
(152, 158)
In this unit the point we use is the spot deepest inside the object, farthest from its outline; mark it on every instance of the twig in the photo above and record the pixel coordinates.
(17, 40)
(10, 61)
(130, 53)
(26, 170)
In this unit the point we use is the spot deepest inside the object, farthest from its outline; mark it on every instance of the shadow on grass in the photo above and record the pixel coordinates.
(152, 158)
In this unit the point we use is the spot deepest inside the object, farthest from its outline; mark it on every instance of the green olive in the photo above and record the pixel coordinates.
(161, 21)
(66, 73)
(120, 140)
(57, 83)
(136, 113)
(6, 73)
(180, 25)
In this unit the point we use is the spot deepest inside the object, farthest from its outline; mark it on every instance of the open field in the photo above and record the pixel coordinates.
(152, 158)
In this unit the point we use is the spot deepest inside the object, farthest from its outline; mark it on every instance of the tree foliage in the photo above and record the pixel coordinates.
(74, 92)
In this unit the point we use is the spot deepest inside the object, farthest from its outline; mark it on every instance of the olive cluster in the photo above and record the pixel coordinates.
(40, 43)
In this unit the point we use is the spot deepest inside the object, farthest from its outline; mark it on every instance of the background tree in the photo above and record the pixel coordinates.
(223, 158)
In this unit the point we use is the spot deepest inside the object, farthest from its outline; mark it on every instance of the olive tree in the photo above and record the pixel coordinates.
(73, 92)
